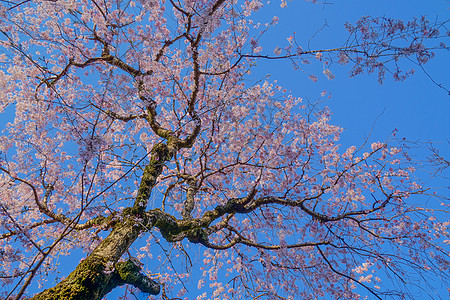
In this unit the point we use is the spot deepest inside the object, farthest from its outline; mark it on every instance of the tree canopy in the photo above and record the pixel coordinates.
(139, 137)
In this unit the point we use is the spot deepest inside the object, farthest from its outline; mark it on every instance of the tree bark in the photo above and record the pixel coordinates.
(99, 273)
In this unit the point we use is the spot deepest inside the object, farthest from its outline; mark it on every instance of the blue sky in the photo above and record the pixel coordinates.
(417, 107)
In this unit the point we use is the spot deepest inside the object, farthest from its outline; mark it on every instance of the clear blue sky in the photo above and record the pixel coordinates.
(417, 108)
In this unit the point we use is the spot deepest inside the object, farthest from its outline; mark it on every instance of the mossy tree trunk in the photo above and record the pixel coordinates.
(101, 271)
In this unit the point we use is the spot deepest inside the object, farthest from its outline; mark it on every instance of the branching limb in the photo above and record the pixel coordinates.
(152, 114)
(43, 208)
(117, 116)
(34, 225)
(243, 240)
(345, 275)
(129, 273)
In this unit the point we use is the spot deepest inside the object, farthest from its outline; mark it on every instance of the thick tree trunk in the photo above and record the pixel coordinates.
(99, 273)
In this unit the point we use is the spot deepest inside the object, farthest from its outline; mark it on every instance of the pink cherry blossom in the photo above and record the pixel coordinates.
(139, 140)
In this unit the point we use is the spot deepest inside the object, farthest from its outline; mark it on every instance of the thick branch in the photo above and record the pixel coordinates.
(159, 155)
(189, 204)
(92, 279)
(129, 273)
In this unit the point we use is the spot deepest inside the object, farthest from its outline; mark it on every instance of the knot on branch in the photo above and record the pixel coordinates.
(130, 273)
(197, 235)
(161, 153)
(235, 205)
(166, 224)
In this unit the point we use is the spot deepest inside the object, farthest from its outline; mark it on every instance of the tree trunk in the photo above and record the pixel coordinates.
(99, 273)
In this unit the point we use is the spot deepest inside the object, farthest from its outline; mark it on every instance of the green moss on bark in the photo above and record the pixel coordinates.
(87, 282)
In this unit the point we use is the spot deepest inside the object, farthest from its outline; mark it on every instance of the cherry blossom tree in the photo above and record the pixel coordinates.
(138, 138)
